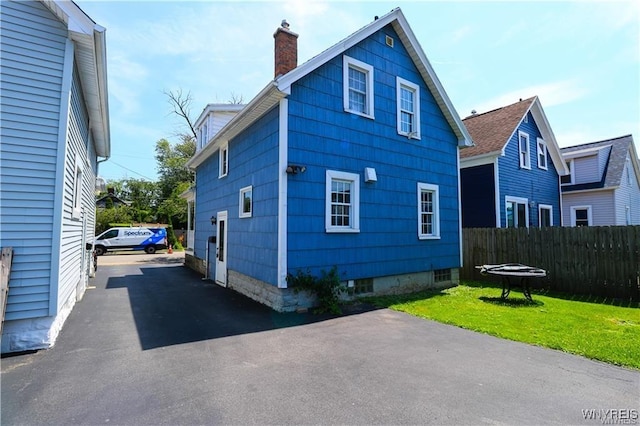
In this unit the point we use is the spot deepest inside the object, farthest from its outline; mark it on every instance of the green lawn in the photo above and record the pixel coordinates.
(593, 329)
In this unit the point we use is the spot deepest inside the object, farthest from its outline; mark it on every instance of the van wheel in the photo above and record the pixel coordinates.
(150, 249)
(100, 250)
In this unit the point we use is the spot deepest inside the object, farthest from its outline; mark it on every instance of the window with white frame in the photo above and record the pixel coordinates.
(223, 161)
(523, 150)
(342, 212)
(627, 210)
(246, 202)
(545, 215)
(428, 211)
(581, 216)
(77, 189)
(517, 212)
(358, 87)
(568, 179)
(542, 154)
(408, 108)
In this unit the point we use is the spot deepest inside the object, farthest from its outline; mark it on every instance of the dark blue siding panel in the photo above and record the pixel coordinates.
(322, 136)
(537, 185)
(253, 160)
(478, 197)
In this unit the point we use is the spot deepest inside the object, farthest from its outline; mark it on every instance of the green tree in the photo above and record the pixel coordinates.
(144, 198)
(175, 178)
(114, 215)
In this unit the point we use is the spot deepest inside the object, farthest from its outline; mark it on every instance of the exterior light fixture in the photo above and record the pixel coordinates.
(213, 220)
(293, 169)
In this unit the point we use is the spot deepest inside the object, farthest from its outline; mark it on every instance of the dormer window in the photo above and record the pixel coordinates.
(568, 179)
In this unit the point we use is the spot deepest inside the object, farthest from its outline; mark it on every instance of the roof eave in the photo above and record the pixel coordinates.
(268, 97)
(547, 135)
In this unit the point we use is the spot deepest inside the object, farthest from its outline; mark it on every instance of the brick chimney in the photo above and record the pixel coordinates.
(286, 49)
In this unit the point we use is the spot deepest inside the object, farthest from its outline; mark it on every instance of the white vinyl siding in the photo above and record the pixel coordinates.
(586, 170)
(601, 202)
(33, 56)
(358, 87)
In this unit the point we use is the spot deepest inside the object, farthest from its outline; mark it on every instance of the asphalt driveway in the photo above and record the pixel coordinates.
(155, 344)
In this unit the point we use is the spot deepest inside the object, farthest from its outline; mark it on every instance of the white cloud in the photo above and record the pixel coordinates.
(550, 94)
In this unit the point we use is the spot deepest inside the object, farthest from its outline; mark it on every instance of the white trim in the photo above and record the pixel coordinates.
(480, 160)
(545, 207)
(496, 183)
(76, 198)
(283, 142)
(355, 202)
(561, 202)
(460, 208)
(241, 212)
(571, 174)
(589, 214)
(415, 89)
(527, 162)
(434, 189)
(538, 152)
(349, 62)
(517, 200)
(223, 152)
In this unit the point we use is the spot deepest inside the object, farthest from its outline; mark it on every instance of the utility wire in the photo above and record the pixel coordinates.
(132, 171)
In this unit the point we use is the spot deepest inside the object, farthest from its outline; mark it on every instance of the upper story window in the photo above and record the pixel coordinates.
(223, 161)
(408, 108)
(358, 87)
(542, 154)
(523, 150)
(342, 210)
(428, 211)
(568, 179)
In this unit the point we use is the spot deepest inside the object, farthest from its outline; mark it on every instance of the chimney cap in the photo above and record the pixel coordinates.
(284, 24)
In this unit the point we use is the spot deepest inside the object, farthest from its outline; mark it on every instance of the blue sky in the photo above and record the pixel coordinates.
(581, 58)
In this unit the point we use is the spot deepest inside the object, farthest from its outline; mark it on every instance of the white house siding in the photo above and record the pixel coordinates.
(603, 160)
(601, 203)
(36, 107)
(627, 195)
(587, 169)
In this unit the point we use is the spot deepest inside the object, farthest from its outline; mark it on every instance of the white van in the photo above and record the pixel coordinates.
(123, 238)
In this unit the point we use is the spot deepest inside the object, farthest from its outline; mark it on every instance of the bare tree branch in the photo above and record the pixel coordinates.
(236, 99)
(181, 104)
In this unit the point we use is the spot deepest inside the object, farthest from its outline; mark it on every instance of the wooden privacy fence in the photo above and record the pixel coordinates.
(599, 261)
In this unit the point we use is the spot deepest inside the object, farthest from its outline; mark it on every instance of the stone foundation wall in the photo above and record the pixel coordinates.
(279, 299)
(410, 283)
(195, 263)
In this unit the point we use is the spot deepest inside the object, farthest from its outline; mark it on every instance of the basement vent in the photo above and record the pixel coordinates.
(389, 41)
(441, 275)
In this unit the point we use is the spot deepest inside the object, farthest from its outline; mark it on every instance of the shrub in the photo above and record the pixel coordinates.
(326, 288)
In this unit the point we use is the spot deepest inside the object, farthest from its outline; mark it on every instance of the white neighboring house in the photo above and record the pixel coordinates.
(603, 187)
(54, 130)
(213, 118)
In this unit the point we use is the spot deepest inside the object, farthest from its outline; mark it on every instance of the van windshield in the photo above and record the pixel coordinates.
(109, 234)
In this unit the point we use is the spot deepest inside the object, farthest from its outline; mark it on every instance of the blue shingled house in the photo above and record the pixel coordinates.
(348, 160)
(511, 177)
(55, 128)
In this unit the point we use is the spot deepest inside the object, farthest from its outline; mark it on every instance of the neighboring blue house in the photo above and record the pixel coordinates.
(55, 125)
(349, 160)
(510, 178)
(603, 188)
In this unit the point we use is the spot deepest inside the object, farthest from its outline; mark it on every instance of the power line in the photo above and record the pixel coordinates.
(132, 171)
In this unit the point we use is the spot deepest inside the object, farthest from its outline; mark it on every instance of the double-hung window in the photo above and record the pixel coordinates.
(77, 189)
(542, 154)
(523, 150)
(517, 212)
(223, 161)
(581, 216)
(358, 87)
(342, 212)
(545, 215)
(428, 211)
(408, 108)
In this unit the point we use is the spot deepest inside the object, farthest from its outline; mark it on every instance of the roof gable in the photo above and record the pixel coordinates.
(280, 87)
(621, 148)
(491, 131)
(397, 19)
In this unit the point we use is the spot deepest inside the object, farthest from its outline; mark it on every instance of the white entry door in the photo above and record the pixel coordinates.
(221, 249)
